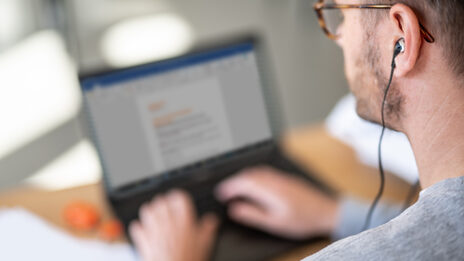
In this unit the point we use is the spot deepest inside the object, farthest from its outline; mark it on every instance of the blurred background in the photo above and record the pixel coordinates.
(45, 43)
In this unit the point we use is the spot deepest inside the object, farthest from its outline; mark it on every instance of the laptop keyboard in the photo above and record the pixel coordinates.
(201, 185)
(204, 199)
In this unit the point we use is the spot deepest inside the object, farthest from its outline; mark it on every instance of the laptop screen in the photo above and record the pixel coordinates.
(152, 119)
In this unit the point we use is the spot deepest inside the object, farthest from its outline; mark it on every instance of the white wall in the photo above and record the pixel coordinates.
(308, 66)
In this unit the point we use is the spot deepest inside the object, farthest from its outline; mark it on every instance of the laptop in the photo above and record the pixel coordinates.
(190, 122)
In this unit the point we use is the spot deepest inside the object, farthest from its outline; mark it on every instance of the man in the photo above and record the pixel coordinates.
(425, 101)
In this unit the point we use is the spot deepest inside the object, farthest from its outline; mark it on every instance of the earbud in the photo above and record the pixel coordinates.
(399, 48)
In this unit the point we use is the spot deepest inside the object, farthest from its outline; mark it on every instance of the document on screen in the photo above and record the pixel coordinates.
(185, 123)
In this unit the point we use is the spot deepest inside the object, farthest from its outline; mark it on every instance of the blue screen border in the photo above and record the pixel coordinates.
(118, 76)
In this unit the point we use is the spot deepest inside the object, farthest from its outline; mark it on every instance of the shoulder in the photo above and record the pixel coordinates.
(431, 229)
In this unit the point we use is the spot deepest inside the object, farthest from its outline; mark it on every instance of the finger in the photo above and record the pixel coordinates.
(152, 220)
(182, 205)
(161, 215)
(251, 185)
(141, 241)
(208, 226)
(249, 214)
(146, 215)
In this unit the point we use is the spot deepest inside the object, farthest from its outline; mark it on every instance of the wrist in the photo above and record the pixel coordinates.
(330, 218)
(334, 216)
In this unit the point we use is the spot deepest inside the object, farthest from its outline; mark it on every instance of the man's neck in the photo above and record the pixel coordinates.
(436, 133)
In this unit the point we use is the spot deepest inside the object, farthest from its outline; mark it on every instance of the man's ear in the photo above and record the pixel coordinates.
(406, 25)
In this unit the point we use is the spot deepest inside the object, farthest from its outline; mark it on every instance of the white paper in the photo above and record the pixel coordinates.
(397, 155)
(24, 236)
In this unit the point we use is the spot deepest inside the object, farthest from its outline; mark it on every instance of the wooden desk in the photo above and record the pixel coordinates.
(312, 147)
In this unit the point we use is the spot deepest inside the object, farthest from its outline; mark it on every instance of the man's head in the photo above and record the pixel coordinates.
(368, 36)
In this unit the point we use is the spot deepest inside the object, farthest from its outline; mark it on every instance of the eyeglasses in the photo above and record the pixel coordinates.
(330, 17)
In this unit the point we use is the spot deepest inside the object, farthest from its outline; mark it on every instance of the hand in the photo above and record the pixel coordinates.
(168, 230)
(278, 203)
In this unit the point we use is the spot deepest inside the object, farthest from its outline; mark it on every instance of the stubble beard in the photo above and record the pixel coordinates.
(369, 86)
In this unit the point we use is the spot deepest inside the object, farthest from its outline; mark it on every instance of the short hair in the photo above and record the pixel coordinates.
(445, 21)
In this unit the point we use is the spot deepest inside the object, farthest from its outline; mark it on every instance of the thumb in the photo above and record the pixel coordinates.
(207, 232)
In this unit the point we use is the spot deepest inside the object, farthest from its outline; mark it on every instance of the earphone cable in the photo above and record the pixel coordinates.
(379, 153)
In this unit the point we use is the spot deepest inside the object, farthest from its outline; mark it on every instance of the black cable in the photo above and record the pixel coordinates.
(382, 174)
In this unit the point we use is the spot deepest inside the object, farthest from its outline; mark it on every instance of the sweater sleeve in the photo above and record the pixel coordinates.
(352, 216)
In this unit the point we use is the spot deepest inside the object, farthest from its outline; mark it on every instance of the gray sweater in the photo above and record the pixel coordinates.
(431, 229)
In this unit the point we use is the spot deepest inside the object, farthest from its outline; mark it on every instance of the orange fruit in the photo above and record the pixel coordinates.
(81, 215)
(110, 230)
